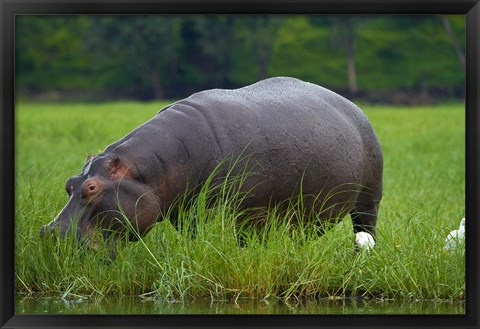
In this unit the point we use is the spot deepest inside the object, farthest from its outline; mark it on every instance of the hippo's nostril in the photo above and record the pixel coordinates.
(45, 228)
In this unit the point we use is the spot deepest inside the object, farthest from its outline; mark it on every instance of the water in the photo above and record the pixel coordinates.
(137, 305)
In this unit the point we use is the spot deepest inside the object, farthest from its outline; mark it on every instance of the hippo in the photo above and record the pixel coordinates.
(297, 137)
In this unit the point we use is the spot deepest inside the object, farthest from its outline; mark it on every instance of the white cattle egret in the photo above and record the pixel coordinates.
(455, 237)
(364, 240)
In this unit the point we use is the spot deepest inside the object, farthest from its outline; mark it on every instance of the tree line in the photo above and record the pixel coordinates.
(399, 59)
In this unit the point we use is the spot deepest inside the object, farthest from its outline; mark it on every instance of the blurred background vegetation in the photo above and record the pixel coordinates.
(378, 59)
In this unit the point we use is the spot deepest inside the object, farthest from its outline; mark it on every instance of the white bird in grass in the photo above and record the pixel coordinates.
(455, 237)
(364, 241)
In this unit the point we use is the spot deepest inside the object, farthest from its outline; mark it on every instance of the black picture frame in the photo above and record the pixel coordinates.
(10, 8)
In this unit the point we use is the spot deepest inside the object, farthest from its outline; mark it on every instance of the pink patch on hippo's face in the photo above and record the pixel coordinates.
(118, 169)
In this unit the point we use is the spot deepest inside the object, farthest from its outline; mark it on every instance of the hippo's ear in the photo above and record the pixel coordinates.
(89, 157)
(117, 168)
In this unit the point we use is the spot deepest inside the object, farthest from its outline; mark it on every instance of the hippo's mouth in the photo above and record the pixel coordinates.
(98, 240)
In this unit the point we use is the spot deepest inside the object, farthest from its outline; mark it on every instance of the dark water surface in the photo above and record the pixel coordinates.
(137, 305)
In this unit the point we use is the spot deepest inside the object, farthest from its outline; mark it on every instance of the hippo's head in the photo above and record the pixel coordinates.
(108, 195)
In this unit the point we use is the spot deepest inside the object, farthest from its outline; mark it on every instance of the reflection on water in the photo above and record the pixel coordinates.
(136, 305)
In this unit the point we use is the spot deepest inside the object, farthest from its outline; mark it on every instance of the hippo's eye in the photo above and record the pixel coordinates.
(90, 187)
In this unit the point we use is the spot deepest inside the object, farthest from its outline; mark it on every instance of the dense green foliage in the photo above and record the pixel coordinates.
(424, 198)
(147, 57)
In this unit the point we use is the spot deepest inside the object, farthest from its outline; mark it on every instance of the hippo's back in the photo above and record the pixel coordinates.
(296, 135)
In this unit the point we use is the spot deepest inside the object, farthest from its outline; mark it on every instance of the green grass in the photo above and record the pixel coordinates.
(423, 200)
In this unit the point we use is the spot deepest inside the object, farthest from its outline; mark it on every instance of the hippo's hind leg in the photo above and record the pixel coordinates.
(364, 218)
(364, 212)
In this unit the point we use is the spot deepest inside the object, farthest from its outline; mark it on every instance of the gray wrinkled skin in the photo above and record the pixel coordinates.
(293, 133)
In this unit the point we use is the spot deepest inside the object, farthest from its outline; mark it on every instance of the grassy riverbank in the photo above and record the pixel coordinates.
(423, 200)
